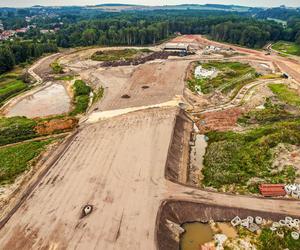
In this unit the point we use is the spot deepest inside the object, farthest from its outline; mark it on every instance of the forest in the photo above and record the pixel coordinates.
(141, 28)
(151, 27)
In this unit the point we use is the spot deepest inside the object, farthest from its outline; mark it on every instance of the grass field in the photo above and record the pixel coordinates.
(275, 108)
(272, 112)
(231, 76)
(15, 160)
(267, 239)
(286, 94)
(16, 129)
(287, 47)
(117, 55)
(233, 159)
(11, 85)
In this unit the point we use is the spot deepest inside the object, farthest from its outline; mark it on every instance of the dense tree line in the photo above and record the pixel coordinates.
(140, 28)
(14, 53)
(151, 27)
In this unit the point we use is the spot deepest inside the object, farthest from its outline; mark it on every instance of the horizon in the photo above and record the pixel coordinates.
(59, 3)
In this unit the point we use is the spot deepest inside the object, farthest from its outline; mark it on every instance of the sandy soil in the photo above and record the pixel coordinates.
(42, 67)
(82, 57)
(116, 166)
(51, 99)
(223, 120)
(146, 84)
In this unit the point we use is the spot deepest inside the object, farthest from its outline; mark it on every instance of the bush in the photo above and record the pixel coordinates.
(57, 68)
(82, 97)
(81, 105)
(80, 88)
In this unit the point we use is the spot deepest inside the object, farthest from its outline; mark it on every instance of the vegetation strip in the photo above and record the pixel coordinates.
(287, 48)
(16, 159)
(82, 97)
(286, 94)
(17, 129)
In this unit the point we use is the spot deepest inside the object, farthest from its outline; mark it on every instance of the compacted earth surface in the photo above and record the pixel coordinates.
(158, 146)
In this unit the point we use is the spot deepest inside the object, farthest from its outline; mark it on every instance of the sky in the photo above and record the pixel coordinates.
(254, 3)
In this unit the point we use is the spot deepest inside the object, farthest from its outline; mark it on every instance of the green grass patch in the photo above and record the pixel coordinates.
(118, 55)
(65, 78)
(82, 97)
(233, 159)
(98, 94)
(286, 94)
(12, 84)
(11, 89)
(231, 75)
(270, 240)
(16, 129)
(57, 68)
(272, 112)
(287, 47)
(14, 160)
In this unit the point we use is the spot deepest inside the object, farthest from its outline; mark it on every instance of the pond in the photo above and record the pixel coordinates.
(196, 234)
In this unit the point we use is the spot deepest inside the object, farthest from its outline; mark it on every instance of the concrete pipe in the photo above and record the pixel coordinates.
(282, 223)
(236, 221)
(287, 189)
(258, 220)
(275, 224)
(295, 235)
(250, 219)
(297, 221)
(280, 234)
(295, 194)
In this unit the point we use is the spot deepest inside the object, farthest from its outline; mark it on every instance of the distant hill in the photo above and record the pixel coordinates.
(130, 7)
(114, 5)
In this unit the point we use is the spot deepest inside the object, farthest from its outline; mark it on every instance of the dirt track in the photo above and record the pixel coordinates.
(118, 166)
(145, 84)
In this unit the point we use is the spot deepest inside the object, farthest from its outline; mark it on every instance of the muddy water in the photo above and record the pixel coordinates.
(195, 235)
(52, 100)
(227, 229)
(196, 158)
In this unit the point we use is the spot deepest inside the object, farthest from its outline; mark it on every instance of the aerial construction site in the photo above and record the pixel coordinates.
(190, 144)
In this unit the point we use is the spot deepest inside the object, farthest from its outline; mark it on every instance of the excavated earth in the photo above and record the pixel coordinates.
(130, 168)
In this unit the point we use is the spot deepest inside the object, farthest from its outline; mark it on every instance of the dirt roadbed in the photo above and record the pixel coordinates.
(117, 167)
